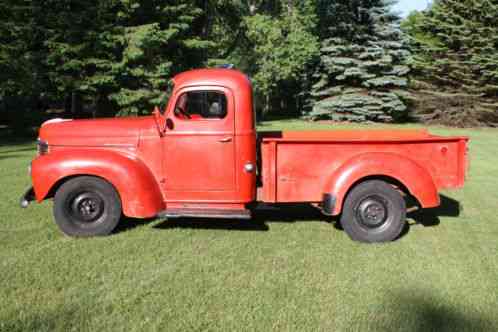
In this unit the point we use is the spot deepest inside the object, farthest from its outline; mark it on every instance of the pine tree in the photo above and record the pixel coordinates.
(20, 48)
(455, 45)
(23, 77)
(153, 50)
(362, 71)
(122, 51)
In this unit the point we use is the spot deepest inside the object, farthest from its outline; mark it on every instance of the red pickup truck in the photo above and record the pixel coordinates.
(202, 157)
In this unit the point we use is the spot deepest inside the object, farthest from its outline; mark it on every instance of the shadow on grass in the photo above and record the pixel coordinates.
(263, 215)
(17, 153)
(426, 313)
(127, 223)
(22, 149)
(216, 224)
(64, 319)
(430, 217)
(13, 140)
(4, 156)
(11, 156)
(192, 223)
(14, 147)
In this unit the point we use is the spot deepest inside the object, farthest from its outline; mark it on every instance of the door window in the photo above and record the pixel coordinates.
(201, 105)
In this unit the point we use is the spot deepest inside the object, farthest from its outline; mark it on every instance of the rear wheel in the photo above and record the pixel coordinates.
(374, 211)
(87, 206)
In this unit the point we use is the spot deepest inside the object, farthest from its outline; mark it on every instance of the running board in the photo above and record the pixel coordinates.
(205, 213)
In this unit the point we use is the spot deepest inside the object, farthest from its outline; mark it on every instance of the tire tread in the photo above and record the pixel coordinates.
(353, 228)
(111, 199)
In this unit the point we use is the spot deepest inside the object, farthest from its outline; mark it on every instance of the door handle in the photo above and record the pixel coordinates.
(225, 140)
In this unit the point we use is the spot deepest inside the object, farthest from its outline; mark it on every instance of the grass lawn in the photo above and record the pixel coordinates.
(285, 270)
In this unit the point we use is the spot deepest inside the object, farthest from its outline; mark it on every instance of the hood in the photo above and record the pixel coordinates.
(95, 132)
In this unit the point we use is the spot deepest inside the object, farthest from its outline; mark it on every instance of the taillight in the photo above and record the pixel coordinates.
(42, 147)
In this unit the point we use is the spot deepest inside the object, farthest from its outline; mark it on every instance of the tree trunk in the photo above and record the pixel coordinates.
(67, 106)
(76, 105)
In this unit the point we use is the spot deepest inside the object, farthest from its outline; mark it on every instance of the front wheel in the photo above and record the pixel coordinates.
(87, 206)
(374, 211)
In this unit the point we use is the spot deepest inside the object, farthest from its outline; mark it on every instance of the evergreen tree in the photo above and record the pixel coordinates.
(455, 45)
(122, 50)
(362, 71)
(20, 48)
(13, 47)
(23, 77)
(155, 41)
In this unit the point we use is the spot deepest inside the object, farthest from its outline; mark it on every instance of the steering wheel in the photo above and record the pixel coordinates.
(180, 110)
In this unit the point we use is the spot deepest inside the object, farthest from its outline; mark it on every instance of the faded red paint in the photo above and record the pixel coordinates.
(199, 163)
(301, 166)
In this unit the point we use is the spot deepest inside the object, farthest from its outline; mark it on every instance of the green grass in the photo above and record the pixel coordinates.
(286, 270)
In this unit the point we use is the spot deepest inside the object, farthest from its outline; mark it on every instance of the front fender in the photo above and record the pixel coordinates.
(139, 191)
(412, 175)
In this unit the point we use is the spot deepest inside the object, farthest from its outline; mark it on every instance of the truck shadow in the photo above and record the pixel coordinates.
(449, 207)
(127, 223)
(263, 215)
(430, 217)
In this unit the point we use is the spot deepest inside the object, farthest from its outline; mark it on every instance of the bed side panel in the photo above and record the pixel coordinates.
(296, 171)
(303, 168)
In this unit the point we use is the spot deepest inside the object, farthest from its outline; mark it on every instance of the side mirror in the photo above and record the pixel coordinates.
(160, 121)
(170, 124)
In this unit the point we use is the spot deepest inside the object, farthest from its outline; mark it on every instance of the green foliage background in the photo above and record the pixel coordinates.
(455, 60)
(340, 59)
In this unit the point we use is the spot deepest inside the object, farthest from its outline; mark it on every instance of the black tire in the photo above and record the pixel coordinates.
(87, 206)
(374, 211)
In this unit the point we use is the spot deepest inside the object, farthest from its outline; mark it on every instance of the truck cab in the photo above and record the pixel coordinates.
(201, 156)
(209, 141)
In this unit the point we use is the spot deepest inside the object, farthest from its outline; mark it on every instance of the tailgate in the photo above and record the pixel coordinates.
(463, 160)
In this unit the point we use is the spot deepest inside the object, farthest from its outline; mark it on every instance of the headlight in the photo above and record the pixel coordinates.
(42, 147)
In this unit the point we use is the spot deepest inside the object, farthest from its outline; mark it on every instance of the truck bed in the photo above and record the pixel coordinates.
(296, 166)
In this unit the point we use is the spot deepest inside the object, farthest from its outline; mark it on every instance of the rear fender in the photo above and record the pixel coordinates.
(139, 191)
(410, 174)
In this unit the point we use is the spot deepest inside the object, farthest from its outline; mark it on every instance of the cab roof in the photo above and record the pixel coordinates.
(229, 78)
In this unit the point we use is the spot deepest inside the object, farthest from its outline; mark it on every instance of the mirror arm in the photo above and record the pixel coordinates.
(160, 121)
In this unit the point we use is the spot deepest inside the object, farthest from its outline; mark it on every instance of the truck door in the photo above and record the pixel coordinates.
(199, 145)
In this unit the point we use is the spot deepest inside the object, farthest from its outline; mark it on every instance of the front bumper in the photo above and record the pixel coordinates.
(28, 196)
